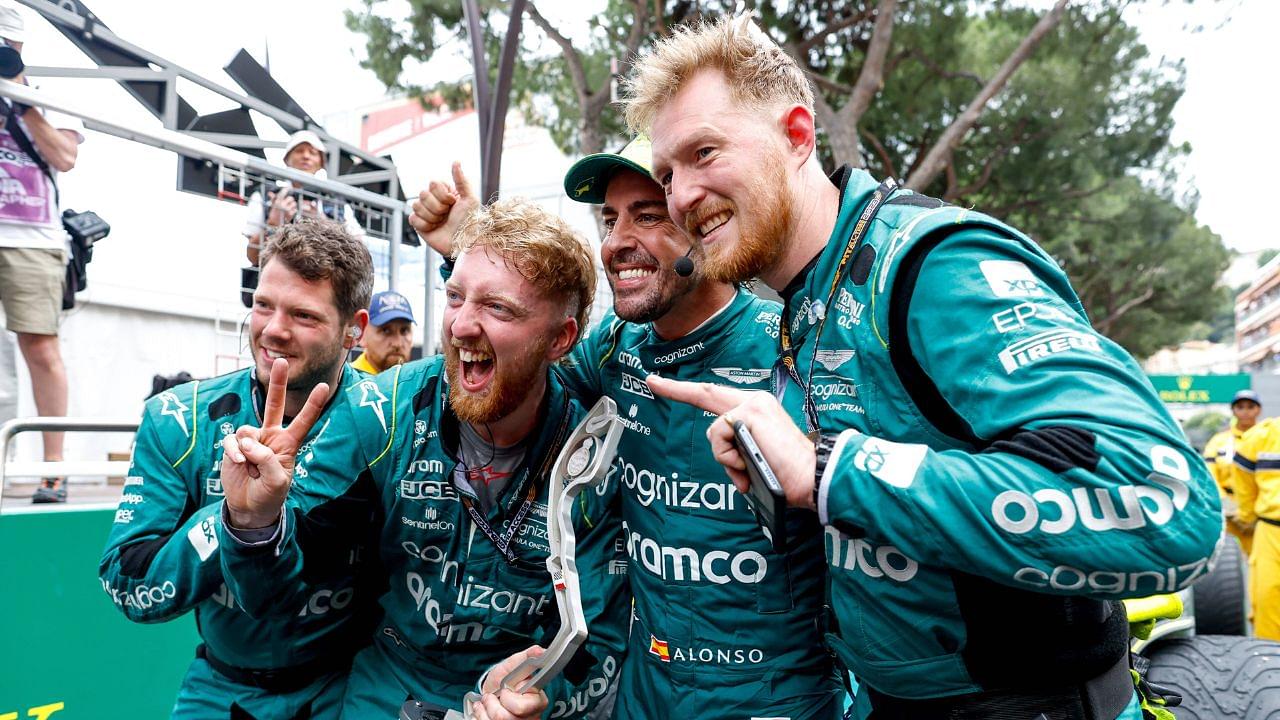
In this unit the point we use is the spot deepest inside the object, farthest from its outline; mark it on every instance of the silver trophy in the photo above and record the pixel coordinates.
(583, 463)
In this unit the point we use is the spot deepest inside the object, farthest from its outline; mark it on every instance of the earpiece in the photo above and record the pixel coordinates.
(355, 332)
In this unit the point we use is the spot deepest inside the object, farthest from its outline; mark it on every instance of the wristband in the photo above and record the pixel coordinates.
(822, 454)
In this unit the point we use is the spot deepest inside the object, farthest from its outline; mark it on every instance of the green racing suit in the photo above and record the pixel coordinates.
(993, 472)
(723, 626)
(162, 560)
(456, 604)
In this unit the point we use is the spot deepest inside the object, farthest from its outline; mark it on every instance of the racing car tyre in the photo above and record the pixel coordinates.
(1222, 596)
(1220, 677)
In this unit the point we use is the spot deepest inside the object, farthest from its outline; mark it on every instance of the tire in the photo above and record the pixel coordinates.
(1222, 597)
(1220, 677)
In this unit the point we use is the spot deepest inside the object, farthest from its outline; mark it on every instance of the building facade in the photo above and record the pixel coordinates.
(1258, 322)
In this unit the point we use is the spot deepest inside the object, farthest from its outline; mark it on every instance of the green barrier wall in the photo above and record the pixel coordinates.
(66, 653)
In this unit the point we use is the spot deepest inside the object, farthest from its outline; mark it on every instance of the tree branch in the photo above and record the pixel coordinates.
(885, 160)
(635, 35)
(871, 77)
(828, 84)
(950, 174)
(941, 71)
(833, 27)
(638, 27)
(1105, 325)
(989, 166)
(662, 25)
(1074, 194)
(577, 73)
(941, 152)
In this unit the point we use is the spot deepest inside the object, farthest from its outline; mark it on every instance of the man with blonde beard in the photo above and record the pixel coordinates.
(993, 474)
(457, 453)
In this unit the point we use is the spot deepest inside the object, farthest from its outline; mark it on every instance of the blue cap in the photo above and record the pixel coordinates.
(1249, 395)
(387, 306)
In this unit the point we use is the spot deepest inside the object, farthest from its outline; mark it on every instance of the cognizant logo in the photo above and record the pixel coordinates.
(684, 563)
(830, 390)
(679, 353)
(647, 486)
(143, 597)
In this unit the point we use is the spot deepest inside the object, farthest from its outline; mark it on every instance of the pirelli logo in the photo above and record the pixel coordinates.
(1038, 347)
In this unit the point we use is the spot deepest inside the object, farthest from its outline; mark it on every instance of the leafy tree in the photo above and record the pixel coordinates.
(1040, 117)
(1266, 256)
(563, 83)
(1142, 266)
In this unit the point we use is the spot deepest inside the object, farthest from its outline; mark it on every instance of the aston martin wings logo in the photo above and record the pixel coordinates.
(371, 397)
(742, 376)
(173, 407)
(832, 359)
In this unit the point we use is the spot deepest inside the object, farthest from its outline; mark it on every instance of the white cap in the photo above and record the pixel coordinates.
(303, 136)
(12, 27)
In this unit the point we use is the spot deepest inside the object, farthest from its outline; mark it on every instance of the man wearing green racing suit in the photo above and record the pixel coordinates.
(723, 626)
(457, 454)
(162, 556)
(993, 474)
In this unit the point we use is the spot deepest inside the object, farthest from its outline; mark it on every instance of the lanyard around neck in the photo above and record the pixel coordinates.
(788, 357)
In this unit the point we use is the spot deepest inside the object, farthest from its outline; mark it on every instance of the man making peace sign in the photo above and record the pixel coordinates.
(455, 454)
(162, 556)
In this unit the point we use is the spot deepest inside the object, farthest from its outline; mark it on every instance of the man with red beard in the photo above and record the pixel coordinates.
(456, 451)
(675, 498)
(993, 474)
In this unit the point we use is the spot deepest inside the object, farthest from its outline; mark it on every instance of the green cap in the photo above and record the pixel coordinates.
(587, 179)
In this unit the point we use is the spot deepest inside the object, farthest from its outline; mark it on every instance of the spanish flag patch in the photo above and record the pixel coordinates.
(659, 648)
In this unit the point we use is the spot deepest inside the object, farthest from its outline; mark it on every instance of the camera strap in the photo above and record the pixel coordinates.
(24, 142)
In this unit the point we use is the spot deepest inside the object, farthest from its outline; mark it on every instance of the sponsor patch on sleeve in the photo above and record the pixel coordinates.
(1010, 278)
(204, 537)
(890, 462)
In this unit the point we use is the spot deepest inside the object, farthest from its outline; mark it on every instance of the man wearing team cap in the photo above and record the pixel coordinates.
(723, 626)
(389, 339)
(1219, 454)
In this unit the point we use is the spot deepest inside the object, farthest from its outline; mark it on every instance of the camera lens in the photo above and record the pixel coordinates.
(11, 65)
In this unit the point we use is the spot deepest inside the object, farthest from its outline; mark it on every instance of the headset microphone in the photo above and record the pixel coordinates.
(684, 264)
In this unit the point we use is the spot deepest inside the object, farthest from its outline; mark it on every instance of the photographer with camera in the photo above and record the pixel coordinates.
(288, 202)
(33, 244)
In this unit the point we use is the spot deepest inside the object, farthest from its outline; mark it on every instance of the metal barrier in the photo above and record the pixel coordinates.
(61, 468)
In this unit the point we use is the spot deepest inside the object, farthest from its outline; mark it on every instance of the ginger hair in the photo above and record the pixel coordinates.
(760, 74)
(540, 246)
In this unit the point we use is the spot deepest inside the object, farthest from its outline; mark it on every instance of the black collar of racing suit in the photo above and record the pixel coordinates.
(555, 421)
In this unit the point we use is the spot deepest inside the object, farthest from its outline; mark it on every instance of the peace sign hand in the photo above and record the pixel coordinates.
(257, 463)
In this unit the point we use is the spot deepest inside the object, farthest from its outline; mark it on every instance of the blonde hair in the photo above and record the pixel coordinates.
(759, 72)
(540, 246)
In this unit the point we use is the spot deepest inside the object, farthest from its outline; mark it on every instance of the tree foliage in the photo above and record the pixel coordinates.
(1144, 269)
(1043, 118)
